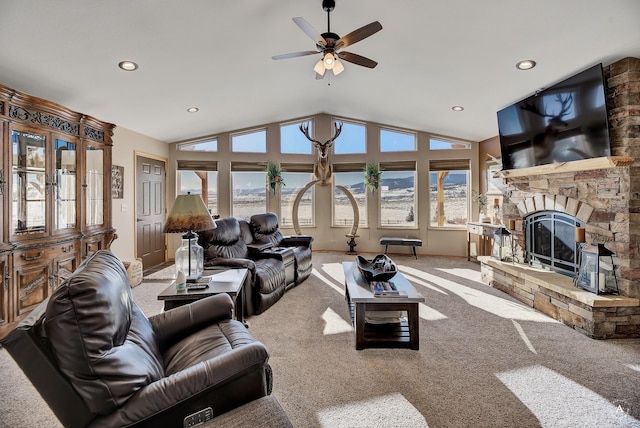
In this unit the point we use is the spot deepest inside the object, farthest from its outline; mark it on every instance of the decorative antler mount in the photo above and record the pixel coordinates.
(322, 169)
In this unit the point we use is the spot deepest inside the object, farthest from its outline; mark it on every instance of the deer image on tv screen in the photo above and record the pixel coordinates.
(563, 123)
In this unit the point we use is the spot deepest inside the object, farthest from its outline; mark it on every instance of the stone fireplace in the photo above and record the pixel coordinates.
(602, 195)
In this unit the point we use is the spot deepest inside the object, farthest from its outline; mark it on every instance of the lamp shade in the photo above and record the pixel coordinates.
(337, 67)
(188, 214)
(319, 68)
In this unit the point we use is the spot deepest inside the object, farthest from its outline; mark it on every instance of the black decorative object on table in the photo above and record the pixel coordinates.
(381, 268)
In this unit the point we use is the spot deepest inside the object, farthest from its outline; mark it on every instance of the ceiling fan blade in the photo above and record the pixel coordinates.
(357, 59)
(310, 31)
(356, 35)
(294, 54)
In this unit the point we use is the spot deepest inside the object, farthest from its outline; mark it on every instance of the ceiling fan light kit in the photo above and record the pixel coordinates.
(329, 44)
(328, 60)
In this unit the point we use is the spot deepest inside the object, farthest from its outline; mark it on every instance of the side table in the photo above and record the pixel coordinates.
(230, 281)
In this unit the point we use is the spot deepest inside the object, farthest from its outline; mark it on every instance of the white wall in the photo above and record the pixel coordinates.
(126, 144)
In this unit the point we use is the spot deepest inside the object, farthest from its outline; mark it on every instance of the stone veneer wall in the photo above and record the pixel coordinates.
(607, 200)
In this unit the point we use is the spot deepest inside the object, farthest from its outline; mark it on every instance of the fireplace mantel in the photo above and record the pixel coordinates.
(573, 166)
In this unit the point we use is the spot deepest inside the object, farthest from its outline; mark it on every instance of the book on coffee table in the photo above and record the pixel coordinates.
(385, 289)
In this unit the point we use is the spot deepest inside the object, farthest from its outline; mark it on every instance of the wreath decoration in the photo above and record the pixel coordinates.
(372, 176)
(274, 176)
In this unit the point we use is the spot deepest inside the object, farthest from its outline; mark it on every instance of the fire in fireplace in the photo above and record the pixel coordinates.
(550, 241)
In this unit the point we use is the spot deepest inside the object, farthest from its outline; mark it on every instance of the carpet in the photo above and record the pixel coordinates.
(164, 274)
(485, 360)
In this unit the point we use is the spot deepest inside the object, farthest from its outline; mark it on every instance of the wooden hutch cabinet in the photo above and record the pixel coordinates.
(55, 182)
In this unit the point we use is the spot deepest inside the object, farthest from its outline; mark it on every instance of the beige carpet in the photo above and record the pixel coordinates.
(484, 361)
(164, 274)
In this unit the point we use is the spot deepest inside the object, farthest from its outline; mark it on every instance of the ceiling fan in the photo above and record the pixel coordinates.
(330, 44)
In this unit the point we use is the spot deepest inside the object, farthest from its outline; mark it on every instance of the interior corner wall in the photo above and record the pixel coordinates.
(126, 144)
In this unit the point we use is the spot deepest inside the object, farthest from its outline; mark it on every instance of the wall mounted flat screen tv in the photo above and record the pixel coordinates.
(563, 123)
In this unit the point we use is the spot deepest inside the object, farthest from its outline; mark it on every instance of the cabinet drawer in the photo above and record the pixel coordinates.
(45, 254)
(33, 255)
(68, 248)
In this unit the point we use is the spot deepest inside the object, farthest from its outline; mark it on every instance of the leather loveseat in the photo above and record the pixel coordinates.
(257, 246)
(99, 362)
(265, 230)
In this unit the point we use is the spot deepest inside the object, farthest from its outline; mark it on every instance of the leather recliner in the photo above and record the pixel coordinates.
(265, 229)
(99, 362)
(226, 246)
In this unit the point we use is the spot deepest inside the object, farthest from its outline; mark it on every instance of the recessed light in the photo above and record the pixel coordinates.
(457, 108)
(128, 65)
(193, 109)
(525, 64)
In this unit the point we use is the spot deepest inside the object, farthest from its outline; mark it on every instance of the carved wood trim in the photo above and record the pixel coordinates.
(574, 166)
(33, 285)
(45, 119)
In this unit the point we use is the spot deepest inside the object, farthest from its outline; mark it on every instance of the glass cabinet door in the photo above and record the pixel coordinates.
(29, 184)
(94, 182)
(65, 185)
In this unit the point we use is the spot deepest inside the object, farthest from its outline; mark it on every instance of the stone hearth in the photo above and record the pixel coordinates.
(597, 316)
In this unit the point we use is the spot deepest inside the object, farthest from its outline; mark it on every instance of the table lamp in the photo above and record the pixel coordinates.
(189, 214)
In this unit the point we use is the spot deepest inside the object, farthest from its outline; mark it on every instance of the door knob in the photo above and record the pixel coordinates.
(139, 220)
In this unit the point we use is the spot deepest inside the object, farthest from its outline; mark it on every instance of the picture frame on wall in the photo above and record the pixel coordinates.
(117, 182)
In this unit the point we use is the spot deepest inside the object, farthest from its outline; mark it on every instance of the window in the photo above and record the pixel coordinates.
(397, 195)
(449, 192)
(352, 139)
(437, 144)
(250, 142)
(296, 177)
(351, 176)
(249, 194)
(209, 145)
(199, 177)
(397, 141)
(293, 141)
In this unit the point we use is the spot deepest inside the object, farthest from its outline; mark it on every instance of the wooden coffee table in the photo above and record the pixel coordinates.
(403, 334)
(230, 281)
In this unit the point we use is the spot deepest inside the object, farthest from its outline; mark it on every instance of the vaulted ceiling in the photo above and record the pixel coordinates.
(216, 55)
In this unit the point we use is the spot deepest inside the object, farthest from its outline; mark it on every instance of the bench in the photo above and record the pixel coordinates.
(405, 242)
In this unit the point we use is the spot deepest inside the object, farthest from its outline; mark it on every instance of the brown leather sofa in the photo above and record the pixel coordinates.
(99, 362)
(258, 246)
(265, 229)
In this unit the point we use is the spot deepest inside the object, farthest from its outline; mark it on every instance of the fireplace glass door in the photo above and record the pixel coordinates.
(551, 241)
